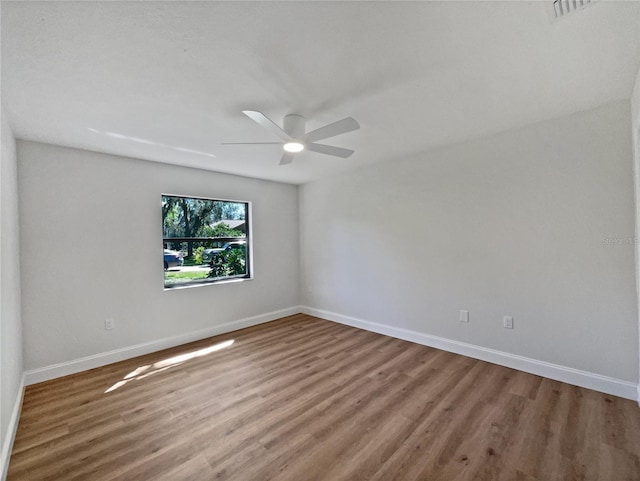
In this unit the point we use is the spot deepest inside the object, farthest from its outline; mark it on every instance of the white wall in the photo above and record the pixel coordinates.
(635, 129)
(512, 224)
(91, 239)
(10, 324)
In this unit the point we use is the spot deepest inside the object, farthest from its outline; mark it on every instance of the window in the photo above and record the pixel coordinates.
(205, 240)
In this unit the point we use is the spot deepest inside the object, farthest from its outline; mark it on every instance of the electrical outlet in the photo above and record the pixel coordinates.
(508, 322)
(464, 316)
(108, 324)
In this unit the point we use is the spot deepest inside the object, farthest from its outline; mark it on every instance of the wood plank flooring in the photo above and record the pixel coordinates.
(305, 399)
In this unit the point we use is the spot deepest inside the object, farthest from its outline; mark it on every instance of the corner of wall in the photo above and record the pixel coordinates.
(299, 294)
(10, 435)
(11, 357)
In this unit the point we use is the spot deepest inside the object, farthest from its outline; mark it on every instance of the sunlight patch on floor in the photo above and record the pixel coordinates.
(150, 369)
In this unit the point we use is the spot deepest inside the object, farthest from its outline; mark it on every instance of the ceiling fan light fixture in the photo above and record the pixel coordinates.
(293, 147)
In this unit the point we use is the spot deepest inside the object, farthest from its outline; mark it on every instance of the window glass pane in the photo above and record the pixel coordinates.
(205, 240)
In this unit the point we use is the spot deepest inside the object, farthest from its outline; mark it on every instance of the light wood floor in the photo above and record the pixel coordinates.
(305, 399)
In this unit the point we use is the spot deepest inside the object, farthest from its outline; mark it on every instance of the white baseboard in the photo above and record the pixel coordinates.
(577, 377)
(10, 436)
(77, 365)
(597, 382)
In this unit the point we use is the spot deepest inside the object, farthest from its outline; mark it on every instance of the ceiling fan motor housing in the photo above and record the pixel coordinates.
(294, 125)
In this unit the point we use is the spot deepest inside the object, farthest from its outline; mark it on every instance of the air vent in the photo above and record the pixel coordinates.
(563, 8)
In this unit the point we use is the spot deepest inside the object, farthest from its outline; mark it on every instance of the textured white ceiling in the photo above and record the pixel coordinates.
(167, 81)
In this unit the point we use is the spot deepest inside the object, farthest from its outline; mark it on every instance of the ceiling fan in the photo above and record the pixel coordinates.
(295, 139)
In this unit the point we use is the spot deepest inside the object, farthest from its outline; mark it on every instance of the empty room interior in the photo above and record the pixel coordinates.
(399, 240)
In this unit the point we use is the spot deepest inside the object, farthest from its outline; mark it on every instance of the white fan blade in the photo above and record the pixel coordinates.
(267, 123)
(331, 130)
(251, 143)
(329, 150)
(287, 158)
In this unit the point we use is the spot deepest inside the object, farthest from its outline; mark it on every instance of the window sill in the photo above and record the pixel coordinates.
(186, 285)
